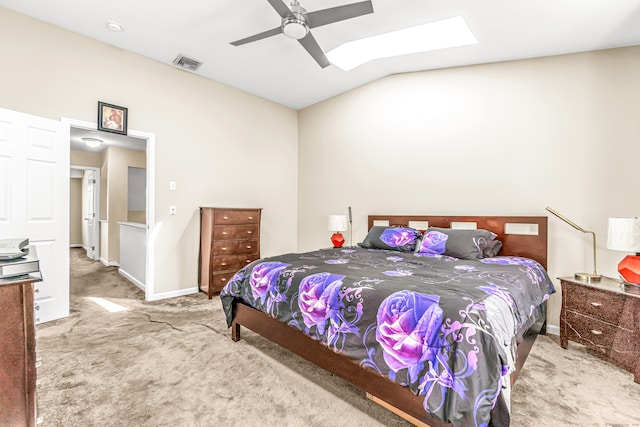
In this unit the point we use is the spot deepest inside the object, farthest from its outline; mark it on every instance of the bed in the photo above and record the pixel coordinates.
(435, 338)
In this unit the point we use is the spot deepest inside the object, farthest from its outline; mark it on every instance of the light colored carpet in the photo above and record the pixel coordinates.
(172, 363)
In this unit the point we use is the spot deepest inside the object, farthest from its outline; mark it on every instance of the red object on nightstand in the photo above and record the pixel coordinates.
(337, 239)
(629, 268)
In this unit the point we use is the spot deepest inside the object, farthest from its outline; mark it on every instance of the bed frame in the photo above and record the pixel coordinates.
(521, 236)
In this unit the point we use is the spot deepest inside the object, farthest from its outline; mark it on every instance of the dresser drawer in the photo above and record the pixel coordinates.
(590, 332)
(233, 217)
(231, 262)
(220, 280)
(235, 232)
(599, 304)
(235, 247)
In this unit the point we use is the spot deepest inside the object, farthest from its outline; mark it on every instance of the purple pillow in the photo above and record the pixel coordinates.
(462, 244)
(401, 239)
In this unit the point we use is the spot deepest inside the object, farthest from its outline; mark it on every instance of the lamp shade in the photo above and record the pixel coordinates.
(337, 223)
(624, 234)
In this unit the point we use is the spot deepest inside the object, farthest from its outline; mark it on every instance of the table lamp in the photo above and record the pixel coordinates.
(337, 223)
(624, 235)
(589, 277)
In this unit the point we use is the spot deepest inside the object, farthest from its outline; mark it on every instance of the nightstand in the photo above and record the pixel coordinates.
(605, 317)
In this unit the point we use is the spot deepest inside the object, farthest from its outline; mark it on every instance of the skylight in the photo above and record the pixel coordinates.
(443, 34)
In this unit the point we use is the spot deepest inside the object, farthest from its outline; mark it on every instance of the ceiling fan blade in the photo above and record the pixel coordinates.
(338, 13)
(259, 36)
(311, 45)
(280, 7)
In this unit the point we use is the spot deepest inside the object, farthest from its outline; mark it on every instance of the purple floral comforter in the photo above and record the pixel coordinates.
(422, 321)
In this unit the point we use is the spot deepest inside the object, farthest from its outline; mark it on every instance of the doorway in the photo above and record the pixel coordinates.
(137, 141)
(84, 195)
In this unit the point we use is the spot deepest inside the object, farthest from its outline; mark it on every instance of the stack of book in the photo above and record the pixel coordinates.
(18, 259)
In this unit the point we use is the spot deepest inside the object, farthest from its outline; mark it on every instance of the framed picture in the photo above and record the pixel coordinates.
(112, 118)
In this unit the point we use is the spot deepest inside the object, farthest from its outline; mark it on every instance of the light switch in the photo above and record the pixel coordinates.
(172, 210)
(172, 185)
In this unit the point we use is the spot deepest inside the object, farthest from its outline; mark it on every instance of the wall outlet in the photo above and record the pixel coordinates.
(172, 210)
(172, 185)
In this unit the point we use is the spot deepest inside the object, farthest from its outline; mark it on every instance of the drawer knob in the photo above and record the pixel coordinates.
(250, 217)
(249, 247)
(249, 232)
(248, 261)
(225, 217)
(223, 280)
(224, 232)
(596, 304)
(224, 263)
(224, 249)
(596, 332)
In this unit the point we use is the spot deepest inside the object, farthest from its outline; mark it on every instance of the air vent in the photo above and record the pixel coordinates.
(186, 63)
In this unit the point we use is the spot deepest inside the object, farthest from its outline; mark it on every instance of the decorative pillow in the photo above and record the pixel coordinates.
(401, 239)
(492, 249)
(463, 244)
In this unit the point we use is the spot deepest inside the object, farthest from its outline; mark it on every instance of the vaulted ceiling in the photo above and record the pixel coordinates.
(279, 69)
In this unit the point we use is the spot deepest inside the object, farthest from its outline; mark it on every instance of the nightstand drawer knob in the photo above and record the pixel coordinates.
(225, 217)
(223, 280)
(224, 263)
(596, 304)
(248, 246)
(596, 332)
(249, 232)
(248, 261)
(224, 233)
(250, 218)
(224, 249)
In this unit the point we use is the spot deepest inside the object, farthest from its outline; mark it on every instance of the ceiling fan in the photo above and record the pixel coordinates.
(296, 23)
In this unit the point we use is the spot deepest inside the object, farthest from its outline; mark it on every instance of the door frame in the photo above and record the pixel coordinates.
(149, 290)
(96, 205)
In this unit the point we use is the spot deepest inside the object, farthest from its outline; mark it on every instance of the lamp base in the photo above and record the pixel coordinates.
(337, 239)
(588, 277)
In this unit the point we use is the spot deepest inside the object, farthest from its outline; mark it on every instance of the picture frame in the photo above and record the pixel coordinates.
(112, 118)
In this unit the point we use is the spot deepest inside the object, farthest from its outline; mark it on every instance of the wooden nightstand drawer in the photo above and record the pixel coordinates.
(235, 232)
(605, 317)
(590, 332)
(599, 304)
(235, 247)
(234, 217)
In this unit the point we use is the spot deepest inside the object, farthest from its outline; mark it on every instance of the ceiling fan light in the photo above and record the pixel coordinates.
(294, 27)
(92, 142)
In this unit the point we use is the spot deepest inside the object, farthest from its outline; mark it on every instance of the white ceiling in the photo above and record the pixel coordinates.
(109, 140)
(279, 69)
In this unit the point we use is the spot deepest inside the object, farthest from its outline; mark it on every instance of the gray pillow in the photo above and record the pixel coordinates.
(462, 244)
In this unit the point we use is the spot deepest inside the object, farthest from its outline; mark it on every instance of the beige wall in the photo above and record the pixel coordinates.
(222, 146)
(506, 138)
(75, 211)
(84, 158)
(119, 160)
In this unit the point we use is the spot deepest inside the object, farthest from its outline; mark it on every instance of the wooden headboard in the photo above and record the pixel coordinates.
(524, 236)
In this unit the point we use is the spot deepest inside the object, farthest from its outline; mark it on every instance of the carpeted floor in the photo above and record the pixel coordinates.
(172, 363)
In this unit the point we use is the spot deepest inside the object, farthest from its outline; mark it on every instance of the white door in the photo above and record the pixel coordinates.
(90, 218)
(34, 201)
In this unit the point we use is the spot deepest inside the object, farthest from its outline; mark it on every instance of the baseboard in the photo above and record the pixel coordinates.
(173, 294)
(553, 330)
(76, 245)
(131, 278)
(108, 263)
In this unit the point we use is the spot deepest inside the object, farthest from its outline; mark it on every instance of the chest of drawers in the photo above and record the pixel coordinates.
(229, 240)
(605, 317)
